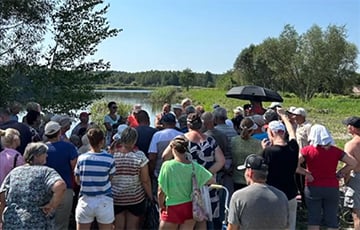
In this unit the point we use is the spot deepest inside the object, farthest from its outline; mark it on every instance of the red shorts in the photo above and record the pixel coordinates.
(177, 214)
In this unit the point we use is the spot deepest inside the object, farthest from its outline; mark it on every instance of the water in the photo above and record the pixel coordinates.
(133, 97)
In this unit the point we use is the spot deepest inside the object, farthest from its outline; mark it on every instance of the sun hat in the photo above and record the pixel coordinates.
(254, 162)
(51, 128)
(320, 135)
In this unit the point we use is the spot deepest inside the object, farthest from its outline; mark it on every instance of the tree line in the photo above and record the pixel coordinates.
(45, 49)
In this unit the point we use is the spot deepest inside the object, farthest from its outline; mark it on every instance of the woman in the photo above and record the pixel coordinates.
(241, 147)
(322, 180)
(205, 151)
(175, 187)
(111, 122)
(131, 182)
(31, 193)
(9, 157)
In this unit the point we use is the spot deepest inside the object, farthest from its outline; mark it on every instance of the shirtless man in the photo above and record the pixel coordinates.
(353, 181)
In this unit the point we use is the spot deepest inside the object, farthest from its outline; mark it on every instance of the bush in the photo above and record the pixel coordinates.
(163, 95)
(99, 109)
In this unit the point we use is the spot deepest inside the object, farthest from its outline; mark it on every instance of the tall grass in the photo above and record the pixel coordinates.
(328, 110)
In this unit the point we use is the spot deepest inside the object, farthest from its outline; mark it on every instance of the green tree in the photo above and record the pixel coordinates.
(316, 61)
(67, 79)
(186, 78)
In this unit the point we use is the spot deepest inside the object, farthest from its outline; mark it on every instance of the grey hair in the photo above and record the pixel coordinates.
(34, 149)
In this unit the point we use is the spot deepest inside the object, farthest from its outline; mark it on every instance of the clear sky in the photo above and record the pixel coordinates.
(208, 35)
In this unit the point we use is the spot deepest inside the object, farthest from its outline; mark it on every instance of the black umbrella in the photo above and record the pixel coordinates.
(254, 93)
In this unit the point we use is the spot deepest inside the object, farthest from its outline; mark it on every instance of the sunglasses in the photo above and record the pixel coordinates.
(114, 107)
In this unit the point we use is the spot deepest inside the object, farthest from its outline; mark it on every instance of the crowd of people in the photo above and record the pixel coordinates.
(107, 178)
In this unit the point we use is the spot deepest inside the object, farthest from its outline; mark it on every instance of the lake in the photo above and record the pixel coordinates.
(132, 97)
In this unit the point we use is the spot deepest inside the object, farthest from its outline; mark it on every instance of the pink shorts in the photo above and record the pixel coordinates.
(177, 214)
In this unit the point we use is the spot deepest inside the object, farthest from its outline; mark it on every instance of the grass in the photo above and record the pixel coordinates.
(329, 111)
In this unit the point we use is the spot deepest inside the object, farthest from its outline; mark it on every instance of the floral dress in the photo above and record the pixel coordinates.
(204, 154)
(28, 188)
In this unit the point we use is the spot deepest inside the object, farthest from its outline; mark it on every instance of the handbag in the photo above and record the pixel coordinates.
(198, 205)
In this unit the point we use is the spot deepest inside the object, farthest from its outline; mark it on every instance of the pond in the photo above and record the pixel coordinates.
(132, 97)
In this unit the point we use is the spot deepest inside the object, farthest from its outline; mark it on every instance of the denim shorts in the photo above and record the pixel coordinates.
(322, 203)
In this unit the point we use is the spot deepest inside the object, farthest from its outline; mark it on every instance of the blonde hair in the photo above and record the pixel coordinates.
(128, 137)
(8, 136)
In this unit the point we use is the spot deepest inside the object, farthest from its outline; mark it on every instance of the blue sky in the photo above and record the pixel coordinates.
(208, 35)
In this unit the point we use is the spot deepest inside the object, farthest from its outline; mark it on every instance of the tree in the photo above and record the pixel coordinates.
(252, 68)
(316, 61)
(22, 28)
(67, 79)
(186, 77)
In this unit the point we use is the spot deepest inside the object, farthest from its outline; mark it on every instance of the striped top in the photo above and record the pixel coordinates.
(126, 184)
(94, 170)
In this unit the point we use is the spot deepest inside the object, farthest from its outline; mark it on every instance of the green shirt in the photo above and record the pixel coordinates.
(240, 149)
(175, 180)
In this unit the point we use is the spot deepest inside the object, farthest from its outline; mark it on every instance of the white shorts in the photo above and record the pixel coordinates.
(89, 207)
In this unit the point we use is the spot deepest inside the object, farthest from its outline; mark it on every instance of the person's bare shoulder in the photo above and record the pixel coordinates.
(352, 147)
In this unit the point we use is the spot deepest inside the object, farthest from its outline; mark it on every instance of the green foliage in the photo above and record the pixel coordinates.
(99, 109)
(329, 111)
(164, 95)
(67, 79)
(186, 78)
(316, 61)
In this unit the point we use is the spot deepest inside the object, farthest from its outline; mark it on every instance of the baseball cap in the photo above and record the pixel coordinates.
(299, 111)
(168, 118)
(51, 128)
(177, 106)
(273, 105)
(353, 121)
(276, 126)
(254, 162)
(120, 129)
(258, 119)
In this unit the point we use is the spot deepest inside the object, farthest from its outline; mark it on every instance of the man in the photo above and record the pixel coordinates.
(81, 128)
(220, 116)
(145, 132)
(302, 127)
(352, 147)
(249, 207)
(24, 130)
(209, 129)
(62, 157)
(302, 132)
(282, 157)
(159, 142)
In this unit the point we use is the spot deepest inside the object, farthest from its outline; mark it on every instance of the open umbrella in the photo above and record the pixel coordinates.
(254, 93)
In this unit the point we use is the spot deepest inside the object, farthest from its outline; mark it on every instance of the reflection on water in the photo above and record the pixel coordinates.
(132, 97)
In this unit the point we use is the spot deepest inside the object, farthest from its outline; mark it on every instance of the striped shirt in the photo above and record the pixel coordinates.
(127, 188)
(94, 170)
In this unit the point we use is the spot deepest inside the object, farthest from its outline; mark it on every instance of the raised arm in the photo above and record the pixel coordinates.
(287, 123)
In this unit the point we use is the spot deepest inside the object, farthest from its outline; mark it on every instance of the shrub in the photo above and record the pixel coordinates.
(99, 109)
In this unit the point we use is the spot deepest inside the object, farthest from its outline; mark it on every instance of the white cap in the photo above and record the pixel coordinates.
(276, 126)
(299, 111)
(275, 104)
(120, 129)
